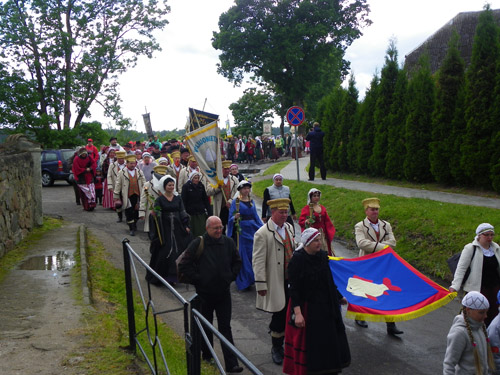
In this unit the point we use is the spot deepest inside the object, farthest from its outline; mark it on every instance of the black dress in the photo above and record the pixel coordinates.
(320, 347)
(168, 236)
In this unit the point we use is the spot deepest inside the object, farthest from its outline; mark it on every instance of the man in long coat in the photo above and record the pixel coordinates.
(129, 184)
(273, 247)
(372, 235)
(223, 196)
(112, 176)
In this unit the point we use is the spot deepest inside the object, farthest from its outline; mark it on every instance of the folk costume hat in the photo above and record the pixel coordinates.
(131, 158)
(371, 203)
(160, 169)
(307, 236)
(82, 151)
(120, 154)
(146, 155)
(280, 203)
(476, 301)
(163, 160)
(175, 154)
(484, 227)
(226, 163)
(243, 184)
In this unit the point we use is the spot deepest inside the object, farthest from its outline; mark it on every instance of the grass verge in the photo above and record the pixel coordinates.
(276, 168)
(106, 329)
(13, 257)
(427, 232)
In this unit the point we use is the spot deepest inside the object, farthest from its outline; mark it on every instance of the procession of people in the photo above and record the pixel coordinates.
(288, 271)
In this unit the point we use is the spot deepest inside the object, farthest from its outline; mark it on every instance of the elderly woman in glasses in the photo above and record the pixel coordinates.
(482, 256)
(314, 215)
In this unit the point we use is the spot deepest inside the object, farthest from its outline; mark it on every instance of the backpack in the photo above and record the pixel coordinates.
(453, 263)
(181, 277)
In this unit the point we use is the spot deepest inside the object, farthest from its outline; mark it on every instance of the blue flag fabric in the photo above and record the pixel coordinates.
(383, 287)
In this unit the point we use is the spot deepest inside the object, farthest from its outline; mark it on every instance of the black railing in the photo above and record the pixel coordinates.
(195, 325)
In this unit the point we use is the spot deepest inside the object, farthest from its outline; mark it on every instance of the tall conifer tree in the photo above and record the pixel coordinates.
(364, 140)
(450, 82)
(385, 98)
(396, 148)
(477, 148)
(346, 123)
(418, 123)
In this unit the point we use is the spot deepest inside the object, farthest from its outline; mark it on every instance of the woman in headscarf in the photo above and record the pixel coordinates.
(482, 257)
(314, 215)
(84, 170)
(169, 232)
(107, 195)
(196, 202)
(243, 222)
(468, 349)
(315, 338)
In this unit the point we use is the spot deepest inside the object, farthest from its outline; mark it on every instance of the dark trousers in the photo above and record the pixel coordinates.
(221, 304)
(317, 156)
(98, 196)
(131, 214)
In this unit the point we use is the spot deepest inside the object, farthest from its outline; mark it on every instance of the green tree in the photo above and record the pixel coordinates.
(479, 98)
(450, 82)
(288, 43)
(364, 140)
(396, 148)
(68, 55)
(251, 110)
(328, 115)
(389, 76)
(421, 99)
(348, 109)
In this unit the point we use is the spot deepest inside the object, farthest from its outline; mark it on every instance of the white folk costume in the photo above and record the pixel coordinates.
(151, 191)
(130, 184)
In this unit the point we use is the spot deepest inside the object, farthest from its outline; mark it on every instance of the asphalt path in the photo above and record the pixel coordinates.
(420, 350)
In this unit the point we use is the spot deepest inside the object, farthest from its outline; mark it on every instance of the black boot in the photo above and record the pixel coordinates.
(120, 217)
(132, 229)
(277, 351)
(393, 330)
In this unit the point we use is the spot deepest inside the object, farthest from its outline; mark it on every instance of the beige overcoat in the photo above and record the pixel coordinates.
(268, 263)
(122, 183)
(366, 237)
(112, 175)
(146, 205)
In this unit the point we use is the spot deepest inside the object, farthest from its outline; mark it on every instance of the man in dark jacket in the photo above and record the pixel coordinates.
(316, 138)
(212, 271)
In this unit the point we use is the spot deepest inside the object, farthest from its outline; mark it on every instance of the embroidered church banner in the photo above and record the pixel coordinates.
(204, 146)
(383, 287)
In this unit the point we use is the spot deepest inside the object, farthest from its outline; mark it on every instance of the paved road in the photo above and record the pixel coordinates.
(419, 351)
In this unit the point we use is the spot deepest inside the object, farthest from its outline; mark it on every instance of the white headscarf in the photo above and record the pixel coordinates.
(193, 174)
(278, 175)
(476, 301)
(313, 190)
(163, 183)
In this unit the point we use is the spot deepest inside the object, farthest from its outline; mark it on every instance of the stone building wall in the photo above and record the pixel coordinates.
(20, 190)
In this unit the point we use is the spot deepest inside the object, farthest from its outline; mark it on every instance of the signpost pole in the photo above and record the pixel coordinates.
(297, 155)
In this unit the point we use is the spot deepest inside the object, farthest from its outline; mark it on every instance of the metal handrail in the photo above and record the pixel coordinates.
(195, 323)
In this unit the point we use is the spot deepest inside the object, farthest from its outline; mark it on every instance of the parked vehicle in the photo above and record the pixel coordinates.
(55, 166)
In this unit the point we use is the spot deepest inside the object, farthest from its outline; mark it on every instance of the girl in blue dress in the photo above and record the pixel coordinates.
(243, 222)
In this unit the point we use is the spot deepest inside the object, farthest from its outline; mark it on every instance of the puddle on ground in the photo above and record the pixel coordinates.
(61, 261)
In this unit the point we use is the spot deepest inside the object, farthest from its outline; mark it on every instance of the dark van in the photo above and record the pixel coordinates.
(55, 166)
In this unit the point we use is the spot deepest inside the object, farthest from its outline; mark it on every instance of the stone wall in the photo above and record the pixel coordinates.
(20, 190)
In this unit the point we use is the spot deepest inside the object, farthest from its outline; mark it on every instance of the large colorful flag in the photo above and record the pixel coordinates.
(383, 287)
(198, 119)
(204, 146)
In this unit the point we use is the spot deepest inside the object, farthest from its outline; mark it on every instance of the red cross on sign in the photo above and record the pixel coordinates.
(295, 116)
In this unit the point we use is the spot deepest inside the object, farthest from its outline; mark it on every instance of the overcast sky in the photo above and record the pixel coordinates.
(184, 73)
